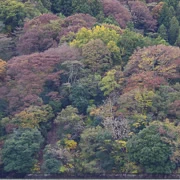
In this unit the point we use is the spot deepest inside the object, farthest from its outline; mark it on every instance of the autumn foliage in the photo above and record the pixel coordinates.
(92, 89)
(163, 60)
(27, 74)
(118, 11)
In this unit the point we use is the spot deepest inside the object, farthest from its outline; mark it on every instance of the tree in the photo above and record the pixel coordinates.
(62, 6)
(7, 47)
(92, 139)
(178, 12)
(117, 10)
(32, 116)
(12, 14)
(96, 56)
(3, 66)
(165, 16)
(26, 77)
(47, 4)
(163, 32)
(156, 10)
(173, 30)
(129, 41)
(85, 91)
(142, 17)
(114, 122)
(99, 152)
(72, 24)
(108, 83)
(57, 159)
(149, 150)
(148, 80)
(92, 7)
(177, 43)
(40, 34)
(107, 35)
(20, 150)
(69, 122)
(163, 60)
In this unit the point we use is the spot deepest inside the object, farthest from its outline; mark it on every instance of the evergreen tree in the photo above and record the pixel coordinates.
(178, 12)
(20, 150)
(163, 32)
(172, 3)
(62, 6)
(92, 7)
(47, 4)
(165, 16)
(177, 43)
(149, 151)
(172, 11)
(173, 30)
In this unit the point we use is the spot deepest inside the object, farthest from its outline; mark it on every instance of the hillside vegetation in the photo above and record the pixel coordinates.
(89, 87)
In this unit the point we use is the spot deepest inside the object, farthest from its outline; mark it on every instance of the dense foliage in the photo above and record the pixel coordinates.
(89, 86)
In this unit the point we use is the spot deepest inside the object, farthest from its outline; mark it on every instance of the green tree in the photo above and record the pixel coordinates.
(51, 163)
(108, 83)
(92, 7)
(130, 40)
(57, 159)
(173, 30)
(165, 16)
(32, 116)
(62, 6)
(47, 4)
(177, 43)
(92, 139)
(20, 150)
(12, 13)
(172, 3)
(69, 122)
(99, 152)
(103, 33)
(109, 36)
(148, 149)
(85, 91)
(178, 12)
(171, 9)
(96, 56)
(163, 32)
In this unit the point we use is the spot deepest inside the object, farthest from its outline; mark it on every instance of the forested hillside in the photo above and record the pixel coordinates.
(89, 87)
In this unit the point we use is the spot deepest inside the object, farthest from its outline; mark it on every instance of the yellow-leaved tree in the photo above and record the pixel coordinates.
(108, 36)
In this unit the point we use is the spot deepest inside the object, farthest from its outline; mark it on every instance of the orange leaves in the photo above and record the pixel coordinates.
(3, 66)
(157, 9)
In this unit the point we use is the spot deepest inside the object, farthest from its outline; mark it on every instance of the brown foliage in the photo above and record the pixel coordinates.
(75, 22)
(39, 20)
(163, 60)
(141, 16)
(148, 80)
(40, 34)
(27, 74)
(117, 10)
(157, 9)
